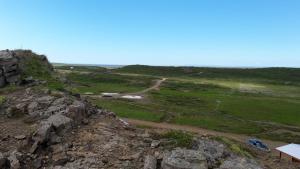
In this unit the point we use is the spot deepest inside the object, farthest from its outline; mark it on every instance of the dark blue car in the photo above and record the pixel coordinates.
(258, 144)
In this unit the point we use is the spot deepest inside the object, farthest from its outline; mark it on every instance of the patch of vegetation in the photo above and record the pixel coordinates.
(235, 147)
(2, 100)
(9, 89)
(84, 68)
(129, 109)
(179, 138)
(285, 137)
(103, 82)
(39, 68)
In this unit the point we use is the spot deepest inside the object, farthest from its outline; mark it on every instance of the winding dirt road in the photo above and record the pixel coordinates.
(154, 87)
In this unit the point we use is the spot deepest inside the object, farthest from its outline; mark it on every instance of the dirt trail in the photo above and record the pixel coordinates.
(139, 93)
(154, 87)
(238, 137)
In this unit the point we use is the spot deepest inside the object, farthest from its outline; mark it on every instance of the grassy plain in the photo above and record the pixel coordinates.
(259, 102)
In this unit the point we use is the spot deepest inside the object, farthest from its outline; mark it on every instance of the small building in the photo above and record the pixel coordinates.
(291, 150)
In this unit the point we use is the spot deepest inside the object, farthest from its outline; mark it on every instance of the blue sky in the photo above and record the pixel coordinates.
(252, 33)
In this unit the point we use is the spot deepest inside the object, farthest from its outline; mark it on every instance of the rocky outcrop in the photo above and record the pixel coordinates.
(15, 64)
(9, 68)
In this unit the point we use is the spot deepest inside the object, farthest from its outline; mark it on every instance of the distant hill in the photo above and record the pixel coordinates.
(274, 75)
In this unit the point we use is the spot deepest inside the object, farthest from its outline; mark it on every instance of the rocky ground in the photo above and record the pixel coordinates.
(43, 129)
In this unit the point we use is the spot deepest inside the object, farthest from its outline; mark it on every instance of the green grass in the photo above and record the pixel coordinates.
(270, 75)
(2, 100)
(179, 138)
(38, 69)
(129, 110)
(234, 147)
(103, 82)
(211, 101)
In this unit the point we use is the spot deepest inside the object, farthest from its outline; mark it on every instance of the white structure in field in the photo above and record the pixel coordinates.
(109, 94)
(292, 150)
(131, 97)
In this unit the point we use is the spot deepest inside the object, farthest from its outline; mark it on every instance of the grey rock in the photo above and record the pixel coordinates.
(150, 162)
(60, 122)
(184, 159)
(59, 101)
(60, 158)
(6, 55)
(13, 159)
(13, 79)
(77, 111)
(20, 137)
(43, 132)
(47, 100)
(33, 106)
(155, 143)
(2, 80)
(21, 108)
(37, 163)
(240, 163)
(4, 163)
(214, 151)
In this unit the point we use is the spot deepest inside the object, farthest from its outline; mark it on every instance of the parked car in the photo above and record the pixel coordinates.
(258, 144)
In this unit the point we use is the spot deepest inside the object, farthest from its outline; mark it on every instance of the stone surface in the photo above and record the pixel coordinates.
(33, 106)
(239, 163)
(184, 159)
(14, 161)
(214, 151)
(150, 162)
(77, 111)
(155, 143)
(46, 100)
(43, 132)
(4, 163)
(20, 137)
(60, 122)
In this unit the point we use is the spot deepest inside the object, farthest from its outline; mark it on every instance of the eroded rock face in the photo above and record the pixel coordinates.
(9, 69)
(184, 159)
(13, 64)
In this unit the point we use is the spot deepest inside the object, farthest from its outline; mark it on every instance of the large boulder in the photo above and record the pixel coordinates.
(184, 159)
(60, 122)
(77, 111)
(214, 151)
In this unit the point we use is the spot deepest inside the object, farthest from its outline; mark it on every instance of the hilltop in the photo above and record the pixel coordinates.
(274, 75)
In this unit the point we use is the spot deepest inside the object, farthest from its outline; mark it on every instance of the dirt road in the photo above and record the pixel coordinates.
(238, 137)
(154, 87)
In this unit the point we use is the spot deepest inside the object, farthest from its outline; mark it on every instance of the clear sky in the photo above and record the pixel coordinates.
(252, 33)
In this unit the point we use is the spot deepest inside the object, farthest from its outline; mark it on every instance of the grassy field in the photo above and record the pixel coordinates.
(260, 102)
